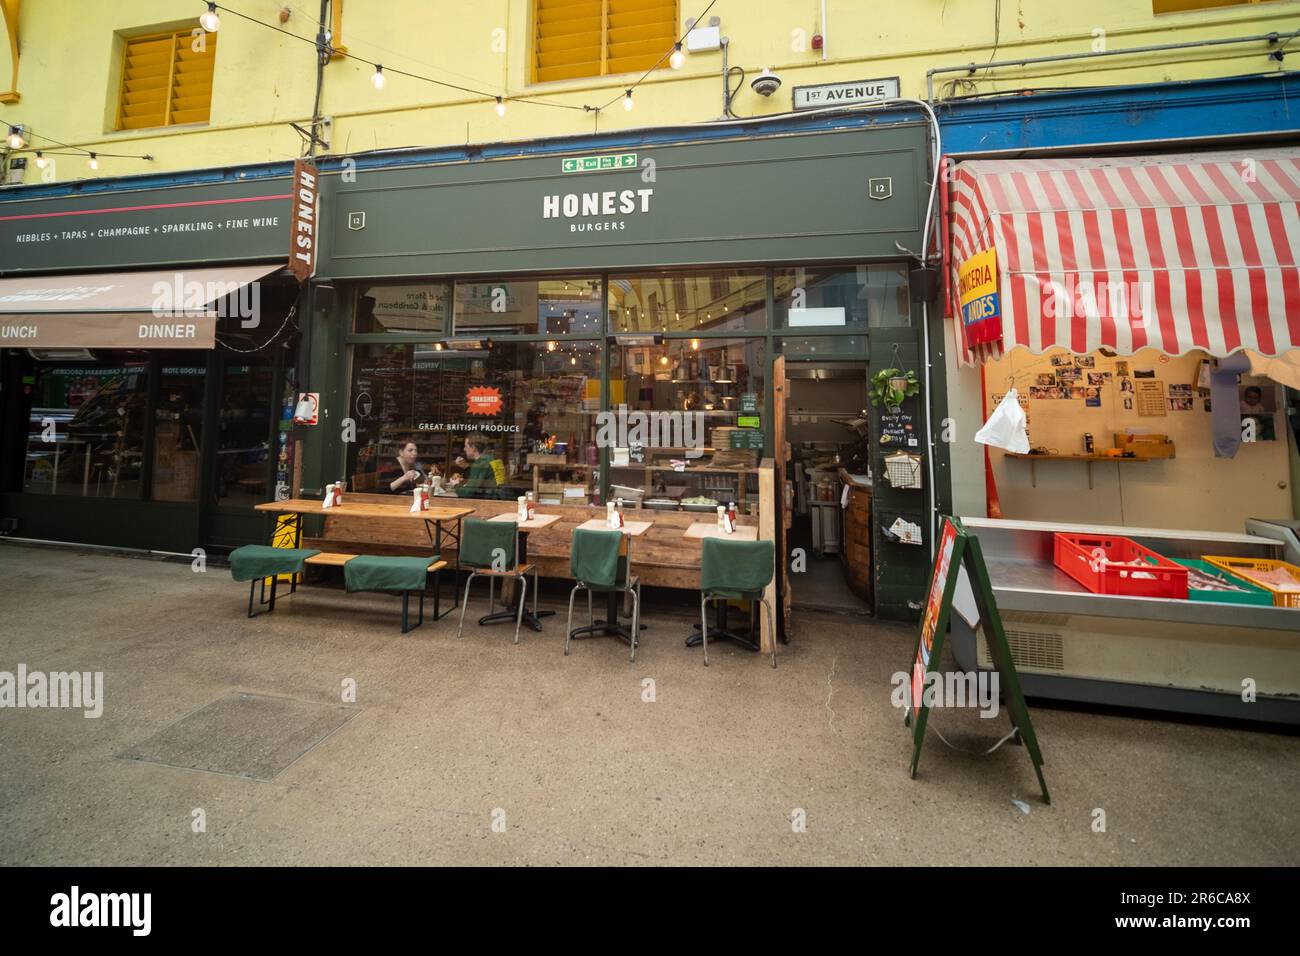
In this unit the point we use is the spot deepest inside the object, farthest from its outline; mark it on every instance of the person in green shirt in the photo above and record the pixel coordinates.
(481, 480)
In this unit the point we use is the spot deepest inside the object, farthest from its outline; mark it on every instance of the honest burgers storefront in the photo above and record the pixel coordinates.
(581, 308)
(145, 335)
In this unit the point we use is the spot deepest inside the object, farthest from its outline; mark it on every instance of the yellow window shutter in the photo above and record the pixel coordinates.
(165, 82)
(578, 38)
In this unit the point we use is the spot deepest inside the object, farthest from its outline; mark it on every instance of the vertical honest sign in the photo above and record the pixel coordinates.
(302, 238)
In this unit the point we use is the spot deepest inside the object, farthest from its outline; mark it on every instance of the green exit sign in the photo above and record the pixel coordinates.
(591, 164)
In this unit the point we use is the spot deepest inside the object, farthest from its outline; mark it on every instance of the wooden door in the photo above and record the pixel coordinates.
(784, 488)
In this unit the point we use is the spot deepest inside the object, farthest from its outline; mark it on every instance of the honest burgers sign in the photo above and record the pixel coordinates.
(596, 211)
(302, 238)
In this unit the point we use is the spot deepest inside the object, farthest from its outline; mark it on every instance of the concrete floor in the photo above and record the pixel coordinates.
(584, 770)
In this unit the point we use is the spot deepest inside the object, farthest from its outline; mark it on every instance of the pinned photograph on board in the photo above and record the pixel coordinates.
(1121, 368)
(1085, 361)
(1046, 378)
(1128, 404)
(1144, 373)
(1061, 360)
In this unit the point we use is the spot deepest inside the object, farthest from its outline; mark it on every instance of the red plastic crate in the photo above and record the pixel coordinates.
(1115, 569)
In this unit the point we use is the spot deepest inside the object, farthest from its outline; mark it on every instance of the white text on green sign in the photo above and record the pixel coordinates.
(589, 164)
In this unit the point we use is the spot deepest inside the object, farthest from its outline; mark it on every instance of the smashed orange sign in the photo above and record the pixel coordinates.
(483, 401)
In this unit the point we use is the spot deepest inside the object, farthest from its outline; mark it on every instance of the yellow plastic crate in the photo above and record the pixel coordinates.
(1240, 567)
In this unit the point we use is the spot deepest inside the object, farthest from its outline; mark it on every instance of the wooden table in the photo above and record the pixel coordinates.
(536, 523)
(709, 529)
(433, 517)
(631, 530)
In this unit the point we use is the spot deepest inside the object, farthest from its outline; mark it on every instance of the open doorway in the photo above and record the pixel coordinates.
(826, 427)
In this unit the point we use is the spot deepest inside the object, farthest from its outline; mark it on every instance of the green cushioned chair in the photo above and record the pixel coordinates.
(736, 571)
(490, 549)
(384, 573)
(598, 568)
(257, 562)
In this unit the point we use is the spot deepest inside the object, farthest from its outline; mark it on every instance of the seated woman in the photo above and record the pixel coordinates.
(485, 474)
(403, 472)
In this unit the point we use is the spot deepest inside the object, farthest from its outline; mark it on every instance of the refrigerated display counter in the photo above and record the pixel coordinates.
(1194, 657)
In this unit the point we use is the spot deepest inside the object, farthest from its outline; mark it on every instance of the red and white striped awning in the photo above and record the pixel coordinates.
(1170, 252)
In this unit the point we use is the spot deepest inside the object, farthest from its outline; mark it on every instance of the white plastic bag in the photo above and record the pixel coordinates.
(1006, 426)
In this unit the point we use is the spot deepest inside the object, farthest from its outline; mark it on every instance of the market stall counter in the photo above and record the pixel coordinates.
(1203, 656)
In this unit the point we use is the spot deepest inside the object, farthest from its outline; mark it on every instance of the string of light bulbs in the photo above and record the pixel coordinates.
(17, 141)
(210, 20)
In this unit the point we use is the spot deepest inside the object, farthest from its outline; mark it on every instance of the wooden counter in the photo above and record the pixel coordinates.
(856, 549)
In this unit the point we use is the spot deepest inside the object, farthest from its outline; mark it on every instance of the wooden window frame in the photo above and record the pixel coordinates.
(533, 40)
(171, 76)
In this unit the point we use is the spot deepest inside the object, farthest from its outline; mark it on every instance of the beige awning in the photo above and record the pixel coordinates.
(168, 309)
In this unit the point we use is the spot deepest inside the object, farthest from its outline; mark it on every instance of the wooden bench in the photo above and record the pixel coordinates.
(337, 559)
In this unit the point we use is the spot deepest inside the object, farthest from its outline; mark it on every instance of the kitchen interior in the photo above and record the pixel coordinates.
(827, 429)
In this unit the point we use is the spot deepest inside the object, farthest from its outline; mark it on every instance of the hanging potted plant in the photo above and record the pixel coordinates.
(890, 386)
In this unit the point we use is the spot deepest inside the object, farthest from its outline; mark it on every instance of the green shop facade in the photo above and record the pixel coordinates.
(591, 313)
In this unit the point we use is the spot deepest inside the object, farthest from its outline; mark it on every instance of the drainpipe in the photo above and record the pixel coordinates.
(970, 69)
(825, 32)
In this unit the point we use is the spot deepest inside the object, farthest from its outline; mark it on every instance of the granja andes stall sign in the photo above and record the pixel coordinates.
(483, 400)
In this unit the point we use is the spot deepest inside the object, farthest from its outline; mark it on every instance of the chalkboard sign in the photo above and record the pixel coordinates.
(898, 429)
(749, 403)
(746, 439)
(959, 549)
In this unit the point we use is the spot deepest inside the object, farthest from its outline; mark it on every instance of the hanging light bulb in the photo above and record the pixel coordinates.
(627, 101)
(574, 360)
(40, 160)
(501, 107)
(211, 20)
(695, 344)
(378, 78)
(94, 161)
(677, 58)
(16, 138)
(550, 346)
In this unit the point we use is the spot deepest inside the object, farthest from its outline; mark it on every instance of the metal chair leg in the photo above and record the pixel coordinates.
(568, 627)
(523, 597)
(771, 626)
(636, 621)
(704, 626)
(591, 614)
(463, 603)
(406, 600)
(252, 593)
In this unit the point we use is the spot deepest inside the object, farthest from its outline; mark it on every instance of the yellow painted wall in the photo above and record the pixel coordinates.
(70, 50)
(1192, 490)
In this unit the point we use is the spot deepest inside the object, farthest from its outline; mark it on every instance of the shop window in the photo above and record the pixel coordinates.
(688, 301)
(1183, 6)
(422, 307)
(178, 427)
(243, 442)
(699, 401)
(86, 427)
(533, 405)
(563, 306)
(166, 79)
(856, 297)
(577, 38)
